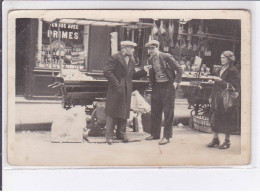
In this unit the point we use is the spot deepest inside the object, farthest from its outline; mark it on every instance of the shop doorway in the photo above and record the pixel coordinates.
(20, 55)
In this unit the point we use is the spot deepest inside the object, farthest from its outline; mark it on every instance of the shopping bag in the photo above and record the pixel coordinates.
(229, 98)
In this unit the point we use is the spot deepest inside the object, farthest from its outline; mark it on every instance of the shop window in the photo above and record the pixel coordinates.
(71, 53)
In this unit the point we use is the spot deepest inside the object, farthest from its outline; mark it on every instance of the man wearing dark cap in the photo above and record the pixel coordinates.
(164, 82)
(119, 71)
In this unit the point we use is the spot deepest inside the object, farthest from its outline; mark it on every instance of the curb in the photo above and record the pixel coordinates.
(47, 126)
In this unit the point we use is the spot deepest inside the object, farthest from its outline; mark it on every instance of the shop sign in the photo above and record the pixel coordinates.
(70, 34)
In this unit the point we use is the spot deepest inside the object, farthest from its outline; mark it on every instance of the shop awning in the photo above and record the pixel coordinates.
(127, 23)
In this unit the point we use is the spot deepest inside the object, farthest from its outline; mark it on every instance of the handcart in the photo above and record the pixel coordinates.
(198, 94)
(198, 97)
(74, 92)
(92, 95)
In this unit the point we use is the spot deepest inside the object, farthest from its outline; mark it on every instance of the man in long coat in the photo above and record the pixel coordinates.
(119, 71)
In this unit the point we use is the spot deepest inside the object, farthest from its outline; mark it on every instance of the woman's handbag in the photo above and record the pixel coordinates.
(229, 96)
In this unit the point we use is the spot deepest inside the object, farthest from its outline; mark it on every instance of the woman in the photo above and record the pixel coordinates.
(223, 118)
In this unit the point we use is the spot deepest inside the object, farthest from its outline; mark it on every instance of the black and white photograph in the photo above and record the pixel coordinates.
(142, 88)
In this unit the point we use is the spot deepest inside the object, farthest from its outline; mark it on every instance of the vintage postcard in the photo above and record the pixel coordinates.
(128, 88)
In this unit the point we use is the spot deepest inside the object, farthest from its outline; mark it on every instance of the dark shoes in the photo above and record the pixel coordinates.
(151, 138)
(164, 141)
(125, 139)
(215, 142)
(109, 141)
(122, 137)
(225, 145)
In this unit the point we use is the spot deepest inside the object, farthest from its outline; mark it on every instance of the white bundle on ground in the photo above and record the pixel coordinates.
(68, 125)
(139, 104)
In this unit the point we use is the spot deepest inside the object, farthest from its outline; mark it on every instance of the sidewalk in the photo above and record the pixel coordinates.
(187, 147)
(38, 115)
(33, 145)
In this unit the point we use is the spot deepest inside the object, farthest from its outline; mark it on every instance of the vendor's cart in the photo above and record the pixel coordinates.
(88, 92)
(197, 93)
(79, 92)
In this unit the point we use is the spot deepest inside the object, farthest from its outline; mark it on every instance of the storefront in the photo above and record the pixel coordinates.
(84, 45)
(187, 38)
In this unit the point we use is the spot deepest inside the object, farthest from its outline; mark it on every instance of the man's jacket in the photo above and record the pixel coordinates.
(170, 65)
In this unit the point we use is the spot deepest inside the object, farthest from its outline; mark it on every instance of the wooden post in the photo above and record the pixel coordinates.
(39, 40)
(50, 40)
(86, 43)
(59, 47)
(133, 35)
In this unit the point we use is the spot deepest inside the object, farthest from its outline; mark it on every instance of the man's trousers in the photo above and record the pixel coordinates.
(110, 126)
(162, 99)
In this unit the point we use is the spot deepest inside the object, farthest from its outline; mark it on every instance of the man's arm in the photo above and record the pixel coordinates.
(175, 66)
(108, 72)
(139, 74)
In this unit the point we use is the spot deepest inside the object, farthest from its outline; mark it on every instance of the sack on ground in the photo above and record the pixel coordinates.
(139, 104)
(68, 125)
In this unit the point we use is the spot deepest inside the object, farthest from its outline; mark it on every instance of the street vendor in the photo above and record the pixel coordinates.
(119, 71)
(164, 83)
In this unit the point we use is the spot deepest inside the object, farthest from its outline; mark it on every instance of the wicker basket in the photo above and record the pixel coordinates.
(202, 123)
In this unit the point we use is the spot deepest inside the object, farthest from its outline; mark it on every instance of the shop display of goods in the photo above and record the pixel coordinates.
(75, 75)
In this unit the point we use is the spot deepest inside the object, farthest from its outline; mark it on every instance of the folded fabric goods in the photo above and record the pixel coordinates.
(139, 104)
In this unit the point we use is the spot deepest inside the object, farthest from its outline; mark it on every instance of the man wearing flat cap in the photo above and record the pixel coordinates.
(119, 71)
(164, 82)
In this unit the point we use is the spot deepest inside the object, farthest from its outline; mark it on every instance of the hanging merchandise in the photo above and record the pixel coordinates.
(155, 31)
(162, 28)
(189, 45)
(179, 32)
(139, 35)
(183, 43)
(128, 33)
(190, 32)
(189, 38)
(205, 45)
(195, 46)
(164, 42)
(171, 33)
(200, 31)
(177, 46)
